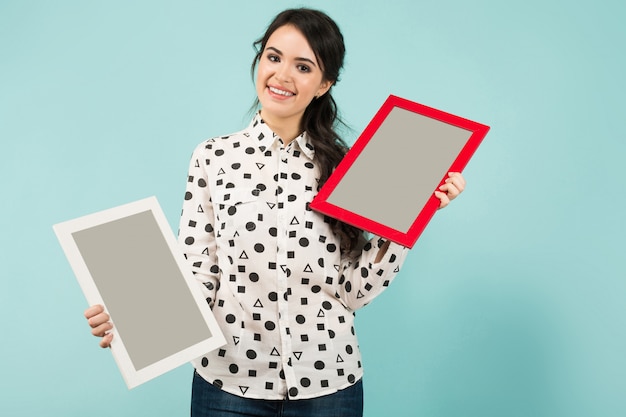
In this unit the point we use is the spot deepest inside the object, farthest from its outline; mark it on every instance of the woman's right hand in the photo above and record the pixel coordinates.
(100, 324)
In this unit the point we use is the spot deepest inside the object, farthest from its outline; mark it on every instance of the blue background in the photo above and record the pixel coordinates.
(512, 303)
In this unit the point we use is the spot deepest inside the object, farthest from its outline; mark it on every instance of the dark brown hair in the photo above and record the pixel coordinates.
(321, 117)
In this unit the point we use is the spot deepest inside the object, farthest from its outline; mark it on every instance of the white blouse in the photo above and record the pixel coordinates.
(271, 268)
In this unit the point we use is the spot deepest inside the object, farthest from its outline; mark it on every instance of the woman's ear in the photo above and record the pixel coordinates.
(324, 87)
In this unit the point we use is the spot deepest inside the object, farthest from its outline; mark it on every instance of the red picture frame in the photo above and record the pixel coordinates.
(468, 136)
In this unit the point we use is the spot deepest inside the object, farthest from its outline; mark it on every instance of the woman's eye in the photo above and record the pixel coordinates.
(273, 58)
(304, 68)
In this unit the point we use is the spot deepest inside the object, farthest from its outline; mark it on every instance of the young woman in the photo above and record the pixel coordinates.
(283, 280)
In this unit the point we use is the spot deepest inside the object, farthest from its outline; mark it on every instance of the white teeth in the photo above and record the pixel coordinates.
(281, 92)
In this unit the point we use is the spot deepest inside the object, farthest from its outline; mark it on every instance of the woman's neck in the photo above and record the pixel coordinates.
(286, 128)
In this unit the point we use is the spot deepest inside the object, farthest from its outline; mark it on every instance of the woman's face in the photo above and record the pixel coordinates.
(288, 76)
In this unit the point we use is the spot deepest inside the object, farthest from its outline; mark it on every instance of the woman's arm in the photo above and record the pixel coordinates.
(196, 233)
(365, 277)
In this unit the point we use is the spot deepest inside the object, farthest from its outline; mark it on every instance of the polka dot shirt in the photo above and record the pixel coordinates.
(271, 268)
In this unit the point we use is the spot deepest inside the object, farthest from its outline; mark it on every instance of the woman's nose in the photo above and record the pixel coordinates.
(283, 74)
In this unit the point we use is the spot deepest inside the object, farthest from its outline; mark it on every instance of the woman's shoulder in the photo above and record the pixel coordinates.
(218, 142)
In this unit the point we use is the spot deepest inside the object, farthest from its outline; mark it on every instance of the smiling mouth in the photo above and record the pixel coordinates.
(281, 92)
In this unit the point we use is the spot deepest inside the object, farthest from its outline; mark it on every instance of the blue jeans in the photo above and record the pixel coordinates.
(210, 401)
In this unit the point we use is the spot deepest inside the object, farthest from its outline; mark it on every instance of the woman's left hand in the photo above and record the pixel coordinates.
(454, 185)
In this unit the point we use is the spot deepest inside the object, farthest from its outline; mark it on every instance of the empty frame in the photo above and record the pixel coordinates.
(128, 260)
(386, 182)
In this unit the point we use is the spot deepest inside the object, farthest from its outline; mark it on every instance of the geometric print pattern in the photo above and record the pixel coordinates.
(271, 269)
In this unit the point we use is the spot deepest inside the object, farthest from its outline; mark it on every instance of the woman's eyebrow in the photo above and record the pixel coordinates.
(278, 52)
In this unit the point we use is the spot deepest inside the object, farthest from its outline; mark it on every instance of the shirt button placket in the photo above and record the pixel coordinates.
(282, 269)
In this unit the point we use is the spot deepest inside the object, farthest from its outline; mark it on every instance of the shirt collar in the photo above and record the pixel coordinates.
(266, 138)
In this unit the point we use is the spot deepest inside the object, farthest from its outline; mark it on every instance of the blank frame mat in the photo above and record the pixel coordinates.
(391, 179)
(129, 260)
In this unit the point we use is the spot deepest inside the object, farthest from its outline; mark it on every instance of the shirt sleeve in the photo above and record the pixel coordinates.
(362, 280)
(196, 234)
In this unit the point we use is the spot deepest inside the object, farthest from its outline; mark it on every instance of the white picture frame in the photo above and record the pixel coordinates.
(127, 259)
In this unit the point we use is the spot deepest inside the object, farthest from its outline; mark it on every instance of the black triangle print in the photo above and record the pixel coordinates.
(397, 269)
(243, 255)
(337, 268)
(359, 295)
(294, 221)
(221, 171)
(308, 268)
(260, 165)
(298, 355)
(243, 389)
(258, 303)
(236, 340)
(284, 268)
(271, 205)
(274, 352)
(339, 359)
(205, 251)
(200, 209)
(321, 313)
(197, 164)
(236, 234)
